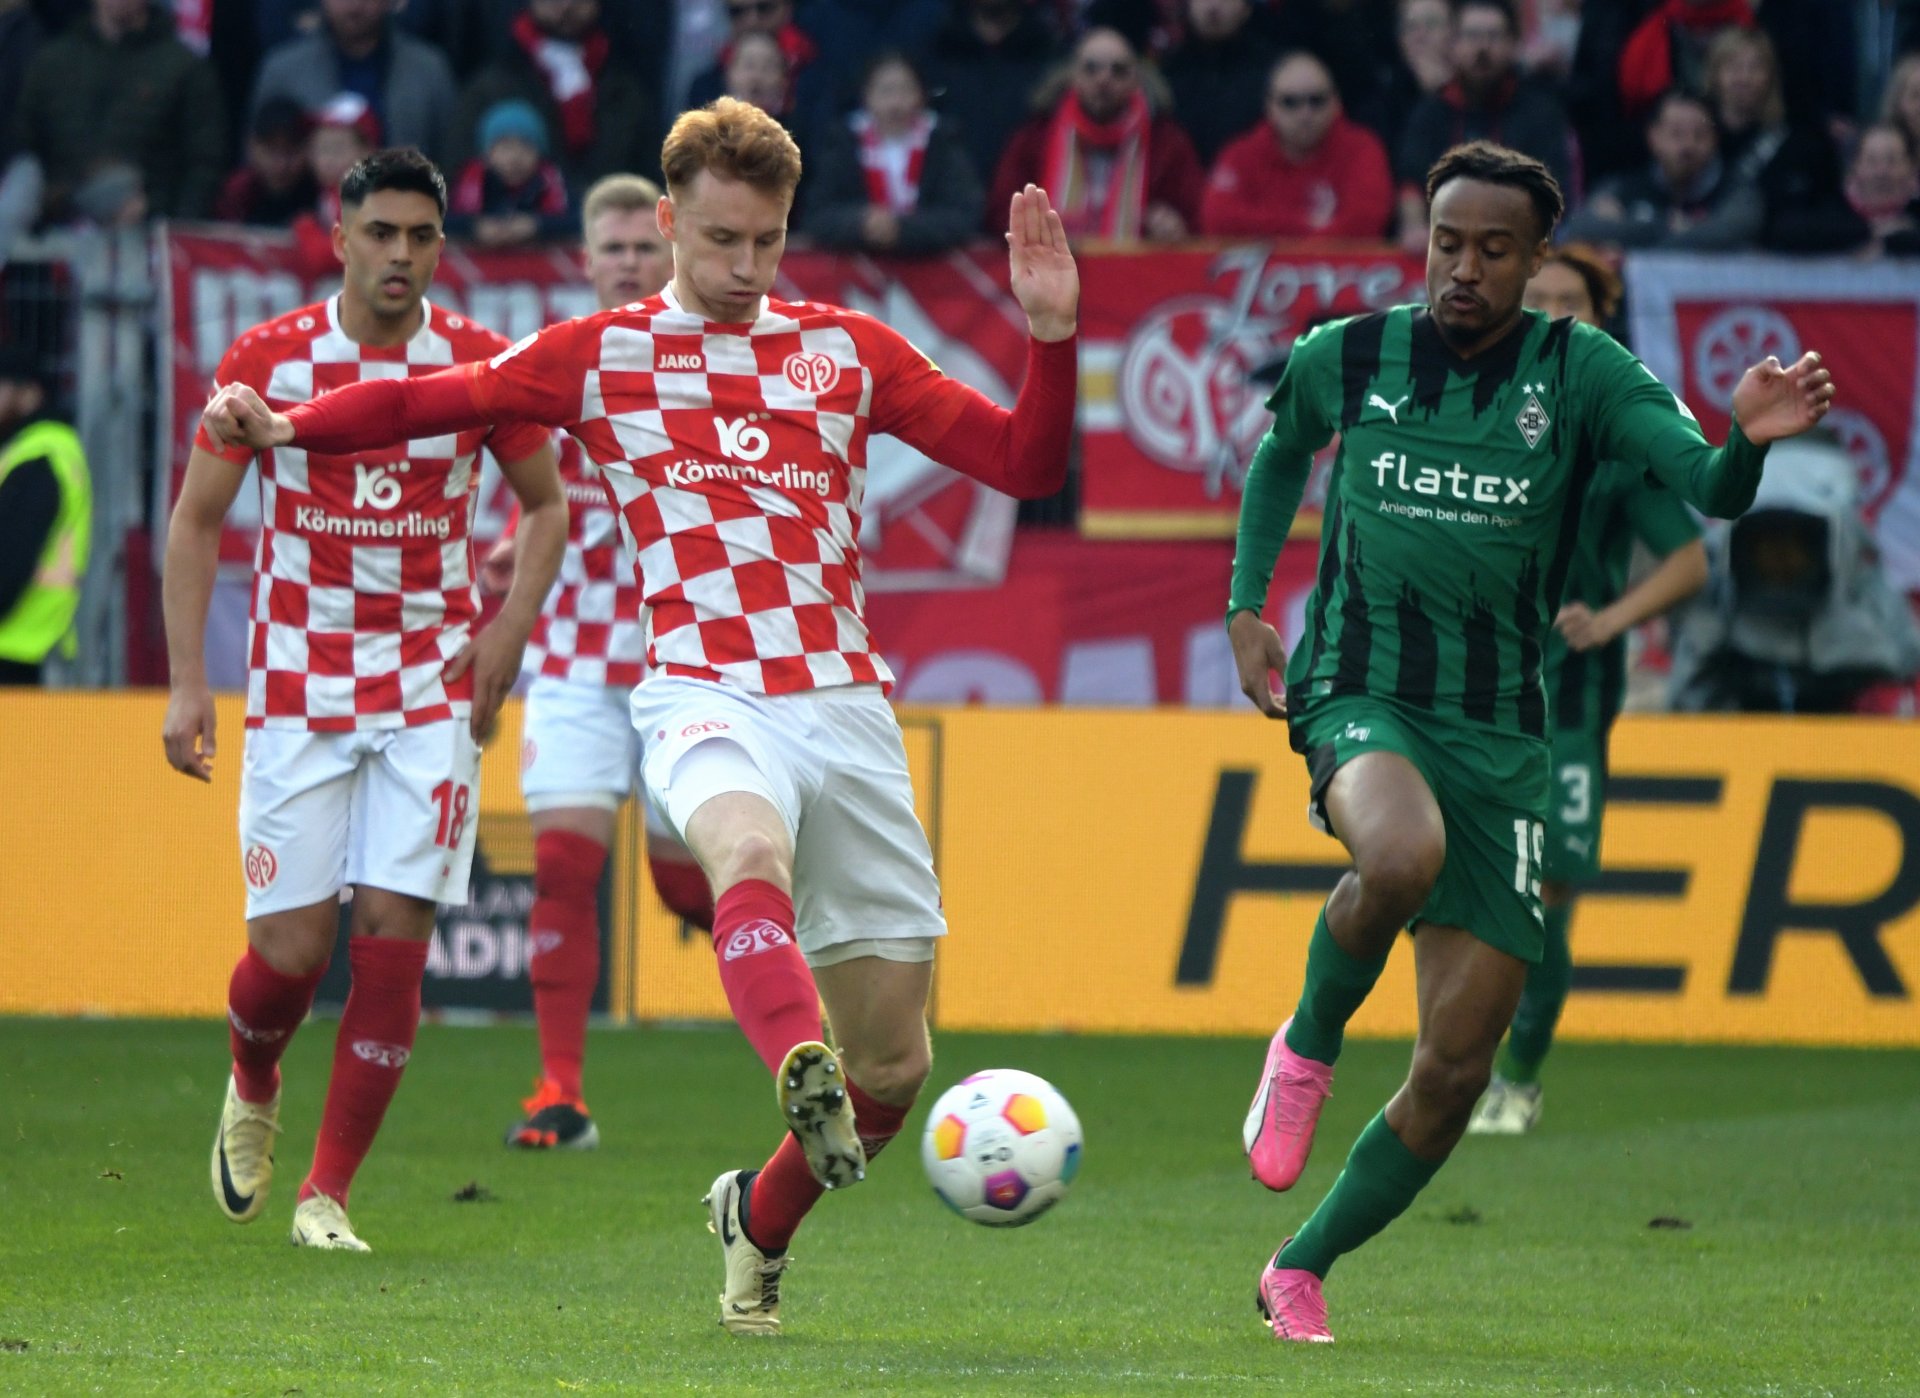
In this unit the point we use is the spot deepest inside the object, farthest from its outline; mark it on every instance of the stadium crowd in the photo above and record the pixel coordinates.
(1785, 125)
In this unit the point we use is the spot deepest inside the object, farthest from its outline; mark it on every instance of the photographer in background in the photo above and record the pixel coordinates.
(1797, 616)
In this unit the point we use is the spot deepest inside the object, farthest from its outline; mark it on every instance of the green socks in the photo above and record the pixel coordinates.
(1336, 984)
(1379, 1181)
(1540, 1004)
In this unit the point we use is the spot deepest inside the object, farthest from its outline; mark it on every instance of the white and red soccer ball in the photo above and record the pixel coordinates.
(1001, 1147)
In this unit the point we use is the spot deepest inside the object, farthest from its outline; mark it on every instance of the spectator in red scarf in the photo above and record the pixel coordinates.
(1118, 168)
(808, 83)
(894, 178)
(1487, 100)
(1304, 172)
(511, 195)
(276, 184)
(559, 60)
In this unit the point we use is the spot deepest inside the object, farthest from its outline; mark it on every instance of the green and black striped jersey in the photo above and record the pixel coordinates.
(1584, 688)
(1455, 501)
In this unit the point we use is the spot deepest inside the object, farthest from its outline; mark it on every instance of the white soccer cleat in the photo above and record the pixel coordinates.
(750, 1304)
(320, 1222)
(812, 1090)
(1506, 1109)
(243, 1155)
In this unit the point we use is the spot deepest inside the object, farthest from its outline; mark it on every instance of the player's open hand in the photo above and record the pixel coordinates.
(237, 416)
(1045, 280)
(1259, 656)
(1772, 402)
(188, 732)
(494, 657)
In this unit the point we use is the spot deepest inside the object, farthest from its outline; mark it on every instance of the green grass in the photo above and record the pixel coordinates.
(1527, 1267)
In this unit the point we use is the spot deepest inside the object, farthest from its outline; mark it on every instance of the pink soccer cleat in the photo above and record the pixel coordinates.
(1290, 1301)
(1279, 1130)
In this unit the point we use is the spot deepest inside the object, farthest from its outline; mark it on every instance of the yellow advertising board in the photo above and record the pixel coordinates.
(1103, 871)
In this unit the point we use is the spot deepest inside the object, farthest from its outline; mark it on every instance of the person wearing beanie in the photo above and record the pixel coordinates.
(510, 194)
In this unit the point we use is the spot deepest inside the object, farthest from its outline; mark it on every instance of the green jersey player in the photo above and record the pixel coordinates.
(1585, 674)
(1470, 430)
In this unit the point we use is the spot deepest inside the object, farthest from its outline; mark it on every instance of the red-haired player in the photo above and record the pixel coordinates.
(731, 429)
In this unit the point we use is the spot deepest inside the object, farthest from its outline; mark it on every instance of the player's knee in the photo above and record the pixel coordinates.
(894, 1077)
(1399, 877)
(1447, 1086)
(754, 856)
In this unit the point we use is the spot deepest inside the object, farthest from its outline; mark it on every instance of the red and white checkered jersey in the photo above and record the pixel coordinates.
(363, 577)
(591, 630)
(737, 454)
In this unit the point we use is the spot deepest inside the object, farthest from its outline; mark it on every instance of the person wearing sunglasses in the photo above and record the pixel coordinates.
(1120, 168)
(1306, 171)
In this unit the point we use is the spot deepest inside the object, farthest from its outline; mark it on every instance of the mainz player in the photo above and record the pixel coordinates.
(580, 750)
(367, 697)
(732, 431)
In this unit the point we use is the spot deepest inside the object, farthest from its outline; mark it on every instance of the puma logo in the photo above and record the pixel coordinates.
(1392, 410)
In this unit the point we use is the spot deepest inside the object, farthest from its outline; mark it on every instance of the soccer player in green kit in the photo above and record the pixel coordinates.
(1585, 675)
(1470, 431)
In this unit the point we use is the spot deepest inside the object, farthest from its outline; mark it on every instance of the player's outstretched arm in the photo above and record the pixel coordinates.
(1636, 420)
(540, 541)
(192, 558)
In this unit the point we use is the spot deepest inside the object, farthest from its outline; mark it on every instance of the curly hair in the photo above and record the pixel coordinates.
(1493, 164)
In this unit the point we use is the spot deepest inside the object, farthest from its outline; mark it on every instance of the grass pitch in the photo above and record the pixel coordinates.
(1528, 1267)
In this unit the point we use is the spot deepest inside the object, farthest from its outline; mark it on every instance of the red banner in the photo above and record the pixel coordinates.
(1079, 621)
(1699, 322)
(1169, 418)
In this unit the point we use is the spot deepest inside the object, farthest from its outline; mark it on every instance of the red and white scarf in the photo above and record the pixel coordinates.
(571, 71)
(893, 164)
(1115, 206)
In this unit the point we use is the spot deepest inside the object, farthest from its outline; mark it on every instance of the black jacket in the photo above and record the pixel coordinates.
(949, 208)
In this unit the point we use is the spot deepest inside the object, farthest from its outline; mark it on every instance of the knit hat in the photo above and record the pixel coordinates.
(513, 117)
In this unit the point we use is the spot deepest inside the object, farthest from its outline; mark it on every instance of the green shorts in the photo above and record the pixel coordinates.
(1491, 789)
(1575, 804)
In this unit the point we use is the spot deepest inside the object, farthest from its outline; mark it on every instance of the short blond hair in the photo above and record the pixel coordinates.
(618, 194)
(735, 140)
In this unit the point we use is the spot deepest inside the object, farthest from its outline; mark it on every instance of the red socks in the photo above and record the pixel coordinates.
(765, 977)
(375, 1041)
(683, 887)
(264, 1007)
(785, 1188)
(564, 928)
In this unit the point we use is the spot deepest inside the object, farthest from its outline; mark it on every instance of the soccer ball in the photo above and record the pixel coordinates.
(1001, 1147)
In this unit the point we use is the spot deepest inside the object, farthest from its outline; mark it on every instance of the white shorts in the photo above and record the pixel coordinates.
(394, 808)
(831, 761)
(578, 747)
